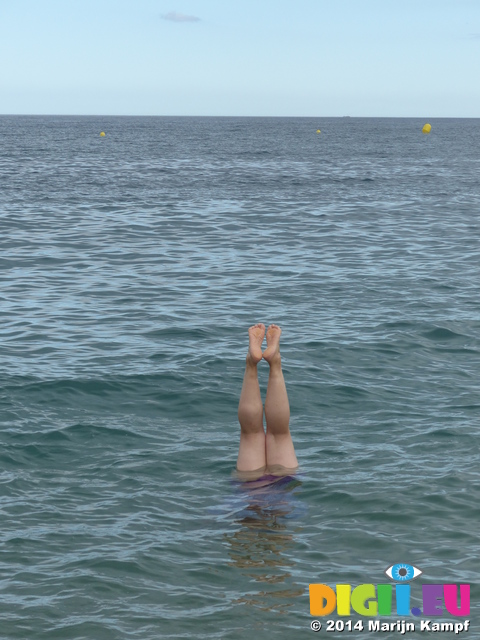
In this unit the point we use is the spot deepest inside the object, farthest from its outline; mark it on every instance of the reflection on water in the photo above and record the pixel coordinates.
(267, 516)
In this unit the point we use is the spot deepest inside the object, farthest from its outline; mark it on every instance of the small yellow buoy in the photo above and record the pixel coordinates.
(102, 134)
(427, 128)
(318, 131)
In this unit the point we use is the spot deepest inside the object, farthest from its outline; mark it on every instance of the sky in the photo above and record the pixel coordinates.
(378, 58)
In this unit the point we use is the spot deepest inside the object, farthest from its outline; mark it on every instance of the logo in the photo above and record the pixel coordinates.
(378, 600)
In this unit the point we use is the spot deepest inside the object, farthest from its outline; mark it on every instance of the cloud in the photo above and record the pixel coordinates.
(180, 17)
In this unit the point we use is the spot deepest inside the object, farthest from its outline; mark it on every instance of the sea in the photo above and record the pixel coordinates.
(131, 267)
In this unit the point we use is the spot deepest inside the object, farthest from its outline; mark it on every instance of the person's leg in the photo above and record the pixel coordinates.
(279, 445)
(251, 454)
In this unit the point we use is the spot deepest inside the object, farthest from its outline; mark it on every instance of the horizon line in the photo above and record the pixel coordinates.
(133, 115)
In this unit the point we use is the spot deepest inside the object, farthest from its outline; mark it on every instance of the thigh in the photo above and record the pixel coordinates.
(280, 451)
(251, 453)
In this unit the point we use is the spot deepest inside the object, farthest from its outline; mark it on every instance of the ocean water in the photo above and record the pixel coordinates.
(131, 267)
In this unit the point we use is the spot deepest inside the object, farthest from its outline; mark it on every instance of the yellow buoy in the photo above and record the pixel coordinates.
(318, 131)
(427, 128)
(102, 134)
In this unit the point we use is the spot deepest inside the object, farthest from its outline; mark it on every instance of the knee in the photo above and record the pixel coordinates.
(251, 418)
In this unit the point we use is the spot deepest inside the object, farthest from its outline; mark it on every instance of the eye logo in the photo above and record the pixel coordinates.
(402, 572)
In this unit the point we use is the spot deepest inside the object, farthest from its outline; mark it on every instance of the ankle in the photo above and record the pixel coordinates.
(276, 364)
(250, 362)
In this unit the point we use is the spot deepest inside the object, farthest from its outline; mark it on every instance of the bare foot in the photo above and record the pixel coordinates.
(272, 352)
(255, 334)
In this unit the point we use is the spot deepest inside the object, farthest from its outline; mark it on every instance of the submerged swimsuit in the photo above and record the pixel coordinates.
(265, 476)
